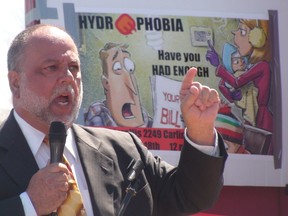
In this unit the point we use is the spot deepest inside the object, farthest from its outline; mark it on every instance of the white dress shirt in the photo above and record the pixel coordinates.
(41, 153)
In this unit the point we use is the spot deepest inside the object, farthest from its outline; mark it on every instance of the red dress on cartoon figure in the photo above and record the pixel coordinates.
(260, 75)
(252, 41)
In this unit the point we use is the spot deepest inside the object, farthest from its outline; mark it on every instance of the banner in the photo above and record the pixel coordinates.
(133, 65)
(133, 62)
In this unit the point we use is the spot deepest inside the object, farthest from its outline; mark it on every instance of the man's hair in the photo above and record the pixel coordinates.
(18, 45)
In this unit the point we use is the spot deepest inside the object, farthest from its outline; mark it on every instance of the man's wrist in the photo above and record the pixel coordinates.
(209, 150)
(202, 135)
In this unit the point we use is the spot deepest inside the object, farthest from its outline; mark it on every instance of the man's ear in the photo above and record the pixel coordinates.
(105, 82)
(14, 78)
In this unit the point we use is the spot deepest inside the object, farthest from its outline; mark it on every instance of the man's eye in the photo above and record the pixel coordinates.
(51, 68)
(74, 68)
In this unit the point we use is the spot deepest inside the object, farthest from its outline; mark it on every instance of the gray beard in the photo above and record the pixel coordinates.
(40, 106)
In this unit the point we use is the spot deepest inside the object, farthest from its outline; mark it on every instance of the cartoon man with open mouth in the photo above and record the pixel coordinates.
(122, 106)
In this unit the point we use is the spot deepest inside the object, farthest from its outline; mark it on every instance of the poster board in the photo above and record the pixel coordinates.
(161, 48)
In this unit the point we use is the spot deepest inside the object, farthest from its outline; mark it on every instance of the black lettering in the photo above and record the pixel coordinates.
(82, 22)
(148, 24)
(98, 22)
(179, 25)
(169, 55)
(91, 21)
(194, 57)
(109, 22)
(202, 71)
(180, 70)
(159, 24)
(166, 26)
(140, 22)
(161, 70)
(152, 145)
(160, 54)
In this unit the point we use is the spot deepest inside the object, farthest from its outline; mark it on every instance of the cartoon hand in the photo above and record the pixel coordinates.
(212, 55)
(236, 95)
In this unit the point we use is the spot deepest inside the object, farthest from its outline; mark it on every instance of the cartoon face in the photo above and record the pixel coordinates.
(241, 39)
(121, 88)
(238, 64)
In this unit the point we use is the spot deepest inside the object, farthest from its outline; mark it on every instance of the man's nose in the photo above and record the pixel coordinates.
(66, 75)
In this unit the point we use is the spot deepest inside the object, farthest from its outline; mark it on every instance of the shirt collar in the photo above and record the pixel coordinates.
(35, 137)
(70, 144)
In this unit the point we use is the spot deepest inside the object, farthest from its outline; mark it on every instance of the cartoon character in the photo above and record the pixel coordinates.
(252, 41)
(244, 97)
(122, 106)
(233, 63)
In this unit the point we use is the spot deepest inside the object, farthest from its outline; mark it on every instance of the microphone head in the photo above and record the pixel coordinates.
(57, 127)
(57, 139)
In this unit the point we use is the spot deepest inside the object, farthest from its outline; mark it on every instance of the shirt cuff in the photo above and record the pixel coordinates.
(209, 150)
(27, 205)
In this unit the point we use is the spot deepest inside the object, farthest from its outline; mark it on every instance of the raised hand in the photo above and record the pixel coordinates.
(199, 107)
(212, 55)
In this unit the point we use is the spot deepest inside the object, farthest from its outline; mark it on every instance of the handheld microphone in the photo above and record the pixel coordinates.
(57, 139)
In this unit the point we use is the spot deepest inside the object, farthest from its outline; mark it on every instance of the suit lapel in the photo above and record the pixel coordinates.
(98, 170)
(14, 147)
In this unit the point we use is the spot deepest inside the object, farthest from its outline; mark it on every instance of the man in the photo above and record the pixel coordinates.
(45, 81)
(118, 75)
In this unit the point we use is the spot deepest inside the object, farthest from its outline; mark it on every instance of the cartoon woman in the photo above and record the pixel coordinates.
(245, 97)
(252, 41)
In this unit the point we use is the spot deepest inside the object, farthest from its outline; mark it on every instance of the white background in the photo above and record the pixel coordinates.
(12, 22)
(240, 169)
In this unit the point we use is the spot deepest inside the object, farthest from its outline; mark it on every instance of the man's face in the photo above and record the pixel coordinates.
(121, 89)
(50, 87)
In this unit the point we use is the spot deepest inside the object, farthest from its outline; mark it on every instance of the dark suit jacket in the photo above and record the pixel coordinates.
(105, 155)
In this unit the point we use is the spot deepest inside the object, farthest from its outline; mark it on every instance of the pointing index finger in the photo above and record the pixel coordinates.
(189, 78)
(209, 44)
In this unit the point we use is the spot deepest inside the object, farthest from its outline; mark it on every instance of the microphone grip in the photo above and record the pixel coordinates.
(57, 139)
(56, 151)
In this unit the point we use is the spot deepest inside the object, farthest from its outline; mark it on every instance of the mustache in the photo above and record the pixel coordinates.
(64, 90)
